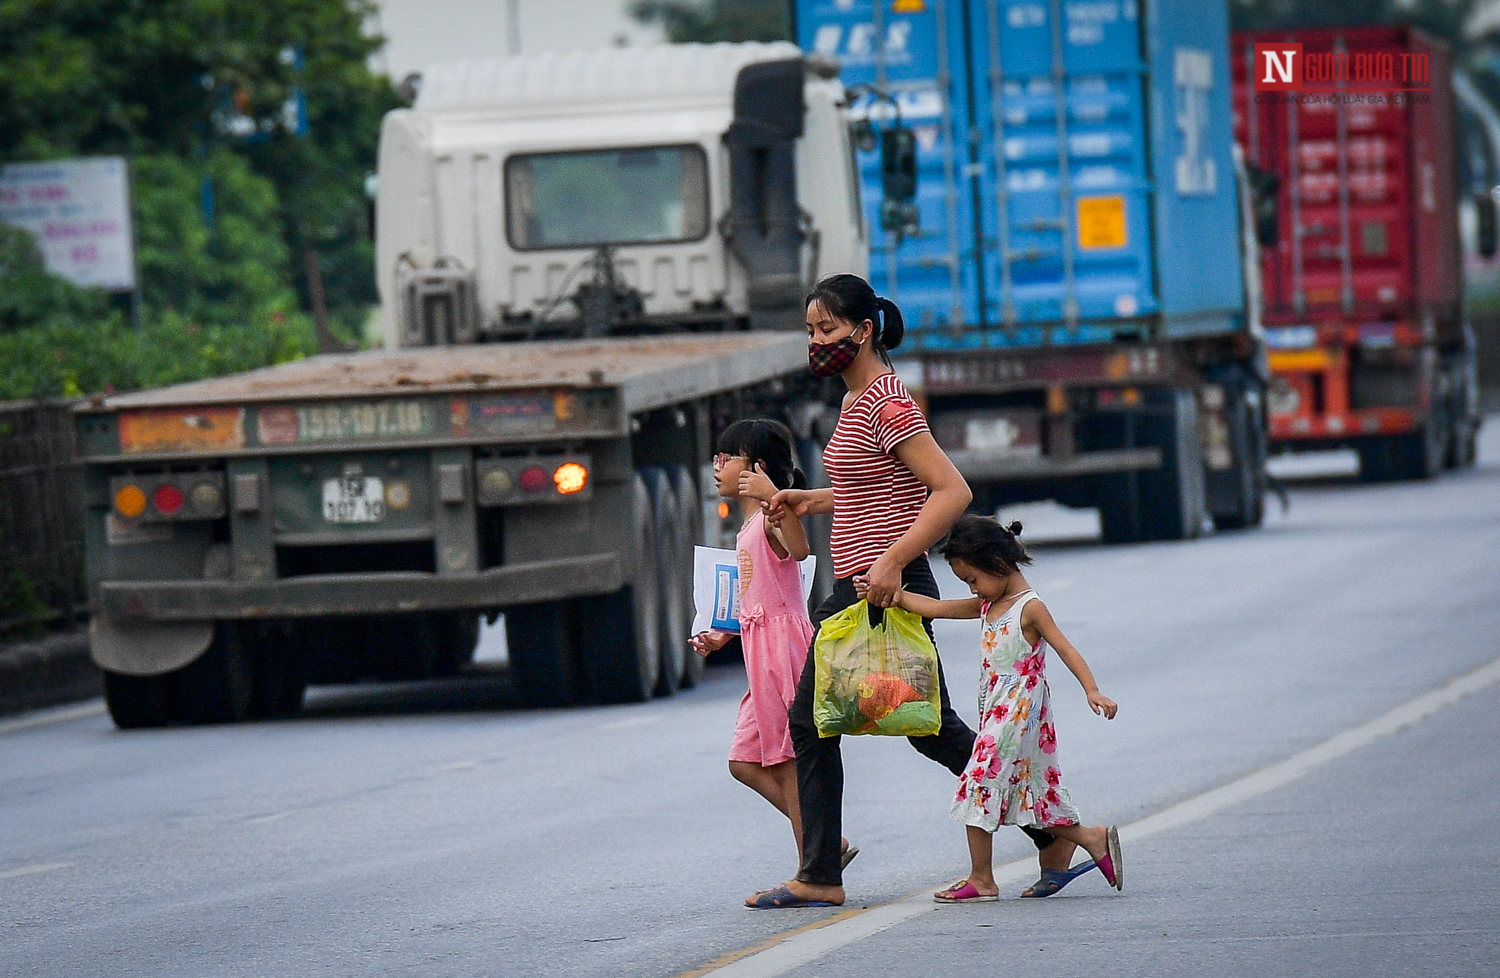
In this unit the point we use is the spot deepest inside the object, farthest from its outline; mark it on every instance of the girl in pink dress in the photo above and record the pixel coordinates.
(754, 462)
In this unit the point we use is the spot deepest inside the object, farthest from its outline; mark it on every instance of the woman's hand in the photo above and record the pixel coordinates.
(883, 580)
(1100, 703)
(798, 502)
(862, 590)
(711, 641)
(794, 501)
(758, 485)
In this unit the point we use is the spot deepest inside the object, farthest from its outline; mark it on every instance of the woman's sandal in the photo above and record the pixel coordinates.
(847, 856)
(781, 898)
(1053, 880)
(963, 892)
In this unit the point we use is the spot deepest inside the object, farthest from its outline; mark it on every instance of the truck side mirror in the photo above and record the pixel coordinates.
(1264, 207)
(1484, 208)
(898, 180)
(862, 135)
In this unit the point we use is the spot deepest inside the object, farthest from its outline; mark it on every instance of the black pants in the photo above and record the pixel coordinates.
(820, 766)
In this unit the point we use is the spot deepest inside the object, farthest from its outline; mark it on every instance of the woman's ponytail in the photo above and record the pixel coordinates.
(892, 327)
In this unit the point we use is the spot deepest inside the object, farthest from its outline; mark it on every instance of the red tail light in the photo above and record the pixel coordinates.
(534, 478)
(167, 498)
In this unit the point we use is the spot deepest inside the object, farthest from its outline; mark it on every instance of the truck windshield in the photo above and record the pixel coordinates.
(606, 197)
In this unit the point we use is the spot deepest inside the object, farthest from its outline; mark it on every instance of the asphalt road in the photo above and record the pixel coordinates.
(441, 830)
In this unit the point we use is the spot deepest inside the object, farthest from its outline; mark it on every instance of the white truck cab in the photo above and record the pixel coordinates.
(623, 190)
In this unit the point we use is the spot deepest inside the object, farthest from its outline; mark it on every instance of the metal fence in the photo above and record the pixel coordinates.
(41, 525)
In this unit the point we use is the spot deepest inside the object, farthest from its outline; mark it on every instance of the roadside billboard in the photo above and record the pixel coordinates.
(79, 212)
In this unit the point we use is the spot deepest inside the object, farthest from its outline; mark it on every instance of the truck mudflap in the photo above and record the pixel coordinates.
(149, 603)
(134, 647)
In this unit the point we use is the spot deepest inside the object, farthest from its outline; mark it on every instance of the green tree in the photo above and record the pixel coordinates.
(216, 272)
(717, 20)
(195, 79)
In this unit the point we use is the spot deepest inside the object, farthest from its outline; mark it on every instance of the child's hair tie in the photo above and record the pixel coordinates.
(1014, 529)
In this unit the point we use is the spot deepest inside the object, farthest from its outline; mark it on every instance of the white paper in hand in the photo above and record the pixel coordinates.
(716, 588)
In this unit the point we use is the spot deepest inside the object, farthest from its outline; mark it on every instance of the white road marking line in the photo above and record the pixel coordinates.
(262, 819)
(807, 945)
(44, 718)
(629, 722)
(32, 870)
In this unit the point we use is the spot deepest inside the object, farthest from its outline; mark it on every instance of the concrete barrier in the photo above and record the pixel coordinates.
(56, 669)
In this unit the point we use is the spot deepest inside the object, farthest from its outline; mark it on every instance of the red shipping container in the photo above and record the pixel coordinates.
(1364, 152)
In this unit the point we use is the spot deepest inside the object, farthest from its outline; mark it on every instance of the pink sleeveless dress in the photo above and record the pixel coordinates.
(775, 633)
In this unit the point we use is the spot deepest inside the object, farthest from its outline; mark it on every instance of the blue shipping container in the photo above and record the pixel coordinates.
(1096, 133)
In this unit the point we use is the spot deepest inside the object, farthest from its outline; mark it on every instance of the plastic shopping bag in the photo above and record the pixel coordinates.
(875, 678)
(716, 588)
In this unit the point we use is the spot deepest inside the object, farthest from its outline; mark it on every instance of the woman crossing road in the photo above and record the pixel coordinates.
(894, 494)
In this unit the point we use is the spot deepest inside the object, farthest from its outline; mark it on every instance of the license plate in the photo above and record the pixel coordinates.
(1001, 436)
(354, 499)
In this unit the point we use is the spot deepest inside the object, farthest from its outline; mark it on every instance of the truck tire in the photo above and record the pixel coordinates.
(674, 590)
(544, 653)
(1247, 503)
(1414, 456)
(217, 686)
(405, 647)
(457, 640)
(1168, 502)
(1119, 516)
(136, 702)
(624, 629)
(278, 681)
(692, 535)
(1465, 445)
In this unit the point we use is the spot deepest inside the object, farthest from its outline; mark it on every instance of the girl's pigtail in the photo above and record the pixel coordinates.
(799, 478)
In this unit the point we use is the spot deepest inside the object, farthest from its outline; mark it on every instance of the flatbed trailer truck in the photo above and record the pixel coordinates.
(589, 264)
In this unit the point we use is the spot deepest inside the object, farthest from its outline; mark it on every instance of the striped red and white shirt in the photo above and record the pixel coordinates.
(876, 498)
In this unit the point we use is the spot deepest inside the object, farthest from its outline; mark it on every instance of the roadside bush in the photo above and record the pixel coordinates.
(29, 296)
(70, 359)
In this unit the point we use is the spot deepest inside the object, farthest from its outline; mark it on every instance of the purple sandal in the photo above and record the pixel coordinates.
(782, 898)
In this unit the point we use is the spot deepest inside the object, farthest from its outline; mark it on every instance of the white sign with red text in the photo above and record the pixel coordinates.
(79, 212)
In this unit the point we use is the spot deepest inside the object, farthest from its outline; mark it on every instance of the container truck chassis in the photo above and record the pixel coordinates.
(1160, 437)
(353, 516)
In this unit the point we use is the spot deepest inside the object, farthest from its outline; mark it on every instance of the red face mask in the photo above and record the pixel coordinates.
(829, 359)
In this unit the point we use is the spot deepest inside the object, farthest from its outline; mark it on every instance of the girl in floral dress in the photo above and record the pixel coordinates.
(1013, 776)
(754, 462)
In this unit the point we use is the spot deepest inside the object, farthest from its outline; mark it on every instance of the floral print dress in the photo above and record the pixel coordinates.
(1012, 777)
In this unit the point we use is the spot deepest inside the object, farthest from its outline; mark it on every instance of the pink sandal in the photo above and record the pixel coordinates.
(1113, 865)
(963, 892)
